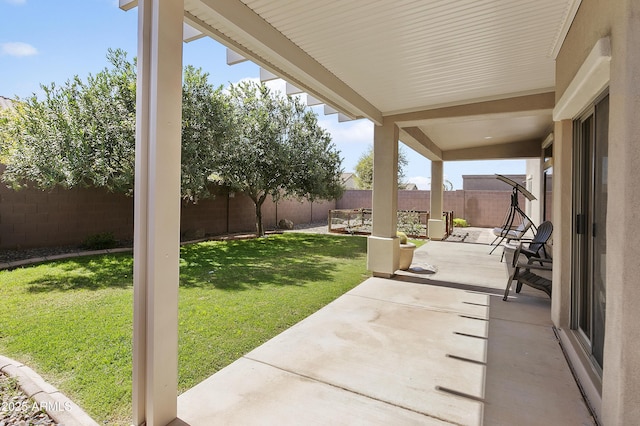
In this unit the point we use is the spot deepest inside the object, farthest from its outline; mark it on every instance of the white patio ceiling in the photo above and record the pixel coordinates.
(381, 58)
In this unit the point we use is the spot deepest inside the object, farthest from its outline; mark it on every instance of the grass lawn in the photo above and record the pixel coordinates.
(71, 320)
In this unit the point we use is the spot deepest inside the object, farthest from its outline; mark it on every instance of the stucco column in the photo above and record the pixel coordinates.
(157, 211)
(383, 247)
(621, 386)
(562, 223)
(436, 224)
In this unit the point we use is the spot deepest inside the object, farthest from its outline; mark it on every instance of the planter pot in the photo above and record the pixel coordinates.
(406, 255)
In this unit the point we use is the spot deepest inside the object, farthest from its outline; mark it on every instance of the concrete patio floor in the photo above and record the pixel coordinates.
(422, 348)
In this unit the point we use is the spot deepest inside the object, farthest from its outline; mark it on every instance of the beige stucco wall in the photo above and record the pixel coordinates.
(620, 20)
(592, 22)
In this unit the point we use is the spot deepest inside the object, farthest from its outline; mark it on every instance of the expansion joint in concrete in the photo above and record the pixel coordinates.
(314, 379)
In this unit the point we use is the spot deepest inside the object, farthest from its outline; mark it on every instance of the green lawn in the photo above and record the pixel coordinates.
(72, 320)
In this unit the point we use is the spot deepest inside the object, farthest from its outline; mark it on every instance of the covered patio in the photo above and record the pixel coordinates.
(438, 348)
(454, 81)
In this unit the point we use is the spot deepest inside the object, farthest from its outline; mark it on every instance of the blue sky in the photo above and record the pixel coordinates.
(44, 41)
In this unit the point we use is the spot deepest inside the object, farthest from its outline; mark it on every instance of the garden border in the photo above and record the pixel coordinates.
(46, 395)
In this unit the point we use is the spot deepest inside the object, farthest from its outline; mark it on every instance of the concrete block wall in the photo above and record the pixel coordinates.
(205, 215)
(479, 208)
(414, 200)
(355, 199)
(33, 218)
(487, 208)
(242, 214)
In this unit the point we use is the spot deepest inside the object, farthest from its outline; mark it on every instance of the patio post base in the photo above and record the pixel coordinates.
(383, 255)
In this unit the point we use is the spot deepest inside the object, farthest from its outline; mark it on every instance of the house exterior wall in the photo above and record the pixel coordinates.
(489, 182)
(620, 388)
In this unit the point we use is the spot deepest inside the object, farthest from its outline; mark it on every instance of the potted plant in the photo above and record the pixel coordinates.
(406, 251)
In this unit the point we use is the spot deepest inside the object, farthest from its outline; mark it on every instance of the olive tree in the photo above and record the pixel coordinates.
(277, 149)
(206, 115)
(364, 169)
(82, 133)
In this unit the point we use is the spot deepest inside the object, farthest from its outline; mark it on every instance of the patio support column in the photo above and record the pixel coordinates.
(383, 246)
(157, 212)
(562, 223)
(436, 224)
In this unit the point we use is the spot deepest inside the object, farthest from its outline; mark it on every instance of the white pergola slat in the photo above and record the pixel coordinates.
(234, 58)
(267, 75)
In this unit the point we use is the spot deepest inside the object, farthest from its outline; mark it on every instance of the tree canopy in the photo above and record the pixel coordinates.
(277, 149)
(82, 134)
(364, 169)
(206, 119)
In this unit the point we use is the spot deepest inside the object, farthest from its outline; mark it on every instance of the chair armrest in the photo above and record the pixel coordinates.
(528, 253)
(539, 260)
(538, 267)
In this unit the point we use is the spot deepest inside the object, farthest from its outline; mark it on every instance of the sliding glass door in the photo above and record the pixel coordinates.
(589, 248)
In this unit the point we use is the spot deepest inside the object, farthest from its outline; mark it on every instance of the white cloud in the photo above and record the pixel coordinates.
(18, 49)
(277, 85)
(423, 182)
(16, 1)
(352, 132)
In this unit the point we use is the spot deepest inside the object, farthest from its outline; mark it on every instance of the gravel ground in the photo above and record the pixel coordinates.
(14, 255)
(16, 408)
(311, 228)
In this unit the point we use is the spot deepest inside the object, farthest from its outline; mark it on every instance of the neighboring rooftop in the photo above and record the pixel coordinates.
(5, 103)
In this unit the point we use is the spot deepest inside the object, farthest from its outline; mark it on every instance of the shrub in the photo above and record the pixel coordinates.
(104, 240)
(409, 222)
(402, 236)
(460, 223)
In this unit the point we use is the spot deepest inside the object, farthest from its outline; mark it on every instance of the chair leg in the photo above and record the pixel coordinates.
(506, 290)
(497, 245)
(511, 278)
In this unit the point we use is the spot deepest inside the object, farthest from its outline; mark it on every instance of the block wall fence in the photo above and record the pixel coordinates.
(34, 218)
(485, 209)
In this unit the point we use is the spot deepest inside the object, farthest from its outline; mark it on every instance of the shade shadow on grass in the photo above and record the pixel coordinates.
(289, 259)
(79, 333)
(88, 273)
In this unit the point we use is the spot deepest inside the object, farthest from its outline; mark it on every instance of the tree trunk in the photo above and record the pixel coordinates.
(259, 228)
